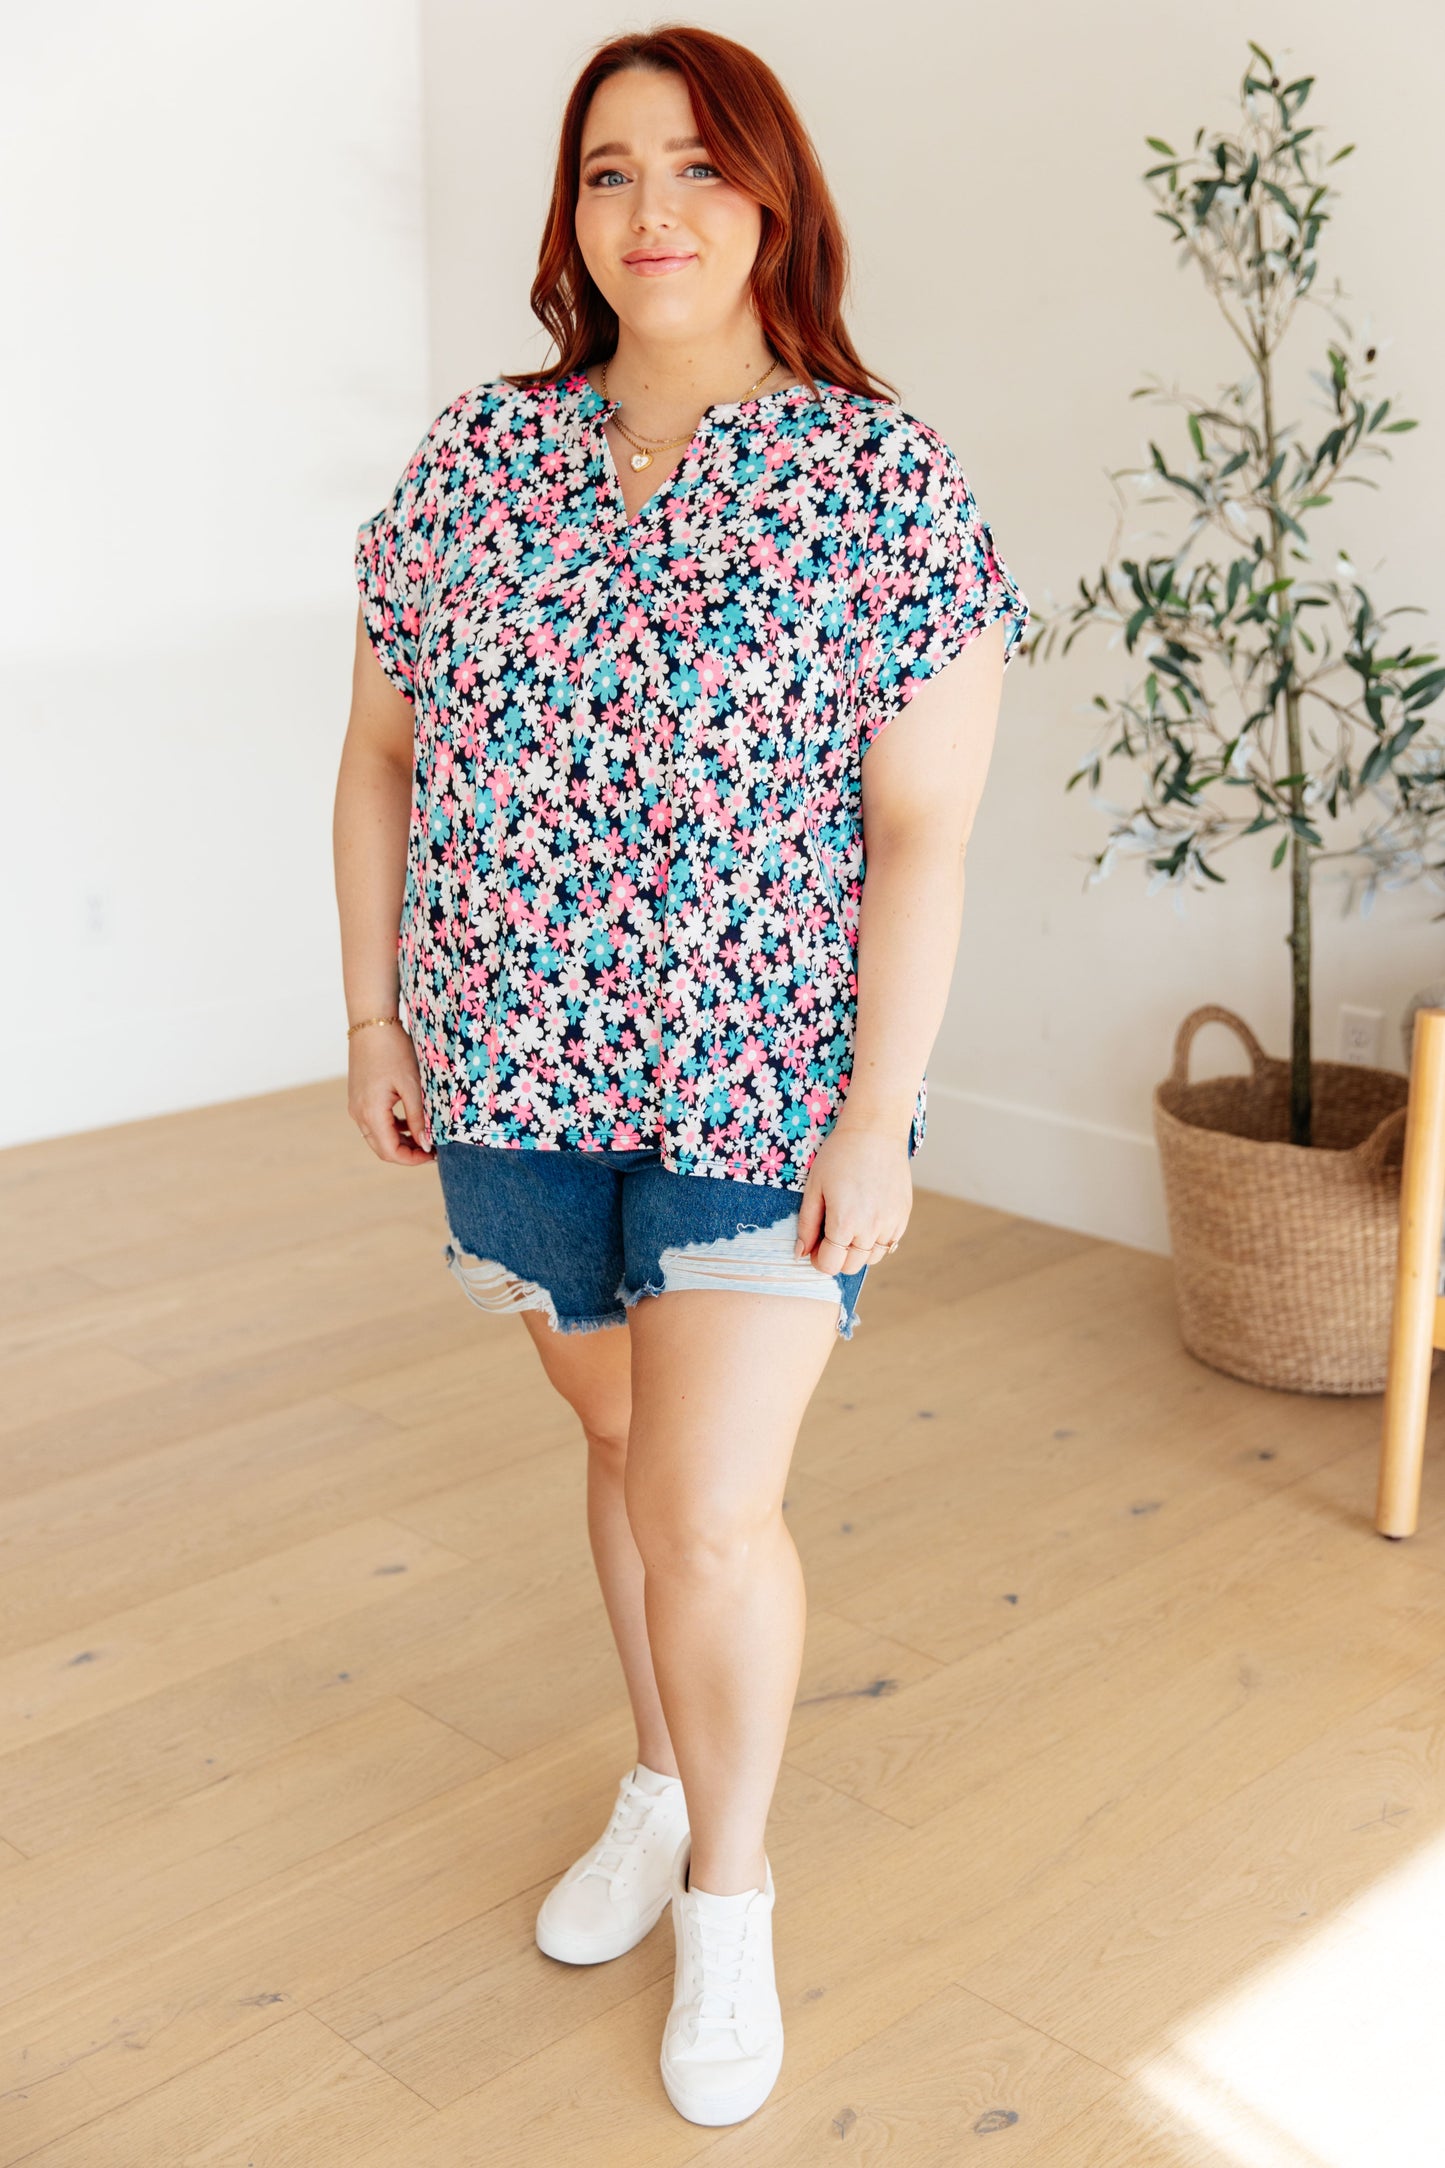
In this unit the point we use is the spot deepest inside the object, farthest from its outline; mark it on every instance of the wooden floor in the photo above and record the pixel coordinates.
(1109, 1830)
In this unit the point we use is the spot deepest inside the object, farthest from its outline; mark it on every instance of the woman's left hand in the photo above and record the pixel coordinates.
(856, 1200)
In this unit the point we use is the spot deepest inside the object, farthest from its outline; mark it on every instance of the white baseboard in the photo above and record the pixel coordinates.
(1058, 1168)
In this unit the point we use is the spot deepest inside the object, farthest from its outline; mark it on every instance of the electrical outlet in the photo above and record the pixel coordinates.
(1361, 1034)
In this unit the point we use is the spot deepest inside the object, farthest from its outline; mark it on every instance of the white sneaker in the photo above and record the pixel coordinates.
(722, 2045)
(618, 1890)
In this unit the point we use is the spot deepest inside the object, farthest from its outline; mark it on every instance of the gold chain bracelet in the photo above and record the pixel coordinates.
(371, 1020)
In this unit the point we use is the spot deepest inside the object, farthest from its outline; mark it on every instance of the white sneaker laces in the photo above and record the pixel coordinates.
(621, 1832)
(722, 1946)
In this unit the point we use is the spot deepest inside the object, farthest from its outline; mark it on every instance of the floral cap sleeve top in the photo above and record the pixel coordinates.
(636, 845)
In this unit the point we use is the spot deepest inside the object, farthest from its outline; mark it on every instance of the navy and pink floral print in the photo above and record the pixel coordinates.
(636, 851)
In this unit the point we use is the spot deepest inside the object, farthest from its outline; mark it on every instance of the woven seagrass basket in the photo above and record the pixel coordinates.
(1284, 1254)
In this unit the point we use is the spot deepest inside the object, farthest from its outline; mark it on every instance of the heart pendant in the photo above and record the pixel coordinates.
(641, 460)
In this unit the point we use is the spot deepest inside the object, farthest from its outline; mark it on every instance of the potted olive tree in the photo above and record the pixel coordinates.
(1274, 700)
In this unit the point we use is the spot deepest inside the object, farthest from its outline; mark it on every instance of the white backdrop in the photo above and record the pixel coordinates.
(257, 249)
(218, 343)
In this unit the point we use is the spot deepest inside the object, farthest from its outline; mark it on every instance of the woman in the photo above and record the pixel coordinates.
(628, 627)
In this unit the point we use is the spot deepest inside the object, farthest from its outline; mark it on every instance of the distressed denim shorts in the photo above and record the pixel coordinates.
(583, 1235)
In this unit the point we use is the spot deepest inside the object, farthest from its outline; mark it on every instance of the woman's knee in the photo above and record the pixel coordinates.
(679, 1532)
(606, 1445)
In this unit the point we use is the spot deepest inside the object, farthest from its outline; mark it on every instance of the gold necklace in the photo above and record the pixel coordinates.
(642, 457)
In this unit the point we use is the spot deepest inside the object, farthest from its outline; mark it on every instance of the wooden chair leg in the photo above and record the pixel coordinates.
(1415, 1329)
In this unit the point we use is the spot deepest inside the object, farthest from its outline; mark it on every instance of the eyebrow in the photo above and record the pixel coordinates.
(619, 150)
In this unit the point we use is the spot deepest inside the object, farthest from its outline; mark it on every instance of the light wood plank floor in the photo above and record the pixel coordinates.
(1108, 1831)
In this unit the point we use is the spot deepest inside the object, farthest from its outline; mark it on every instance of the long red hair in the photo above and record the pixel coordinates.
(757, 142)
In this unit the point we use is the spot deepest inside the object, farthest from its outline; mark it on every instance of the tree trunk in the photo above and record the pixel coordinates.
(1301, 1107)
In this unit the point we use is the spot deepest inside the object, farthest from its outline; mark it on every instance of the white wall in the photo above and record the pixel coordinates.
(1010, 277)
(218, 345)
(229, 296)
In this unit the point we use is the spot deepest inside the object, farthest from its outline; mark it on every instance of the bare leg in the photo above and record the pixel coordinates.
(720, 1381)
(592, 1372)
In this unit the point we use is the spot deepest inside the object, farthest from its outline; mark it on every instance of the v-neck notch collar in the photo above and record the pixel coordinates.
(592, 408)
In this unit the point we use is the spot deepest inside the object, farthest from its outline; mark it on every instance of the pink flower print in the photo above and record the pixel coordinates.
(711, 672)
(680, 611)
(540, 643)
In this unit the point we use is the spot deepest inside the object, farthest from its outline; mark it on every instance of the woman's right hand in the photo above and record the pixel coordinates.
(382, 1070)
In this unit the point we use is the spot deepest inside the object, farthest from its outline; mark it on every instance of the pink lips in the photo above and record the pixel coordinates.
(652, 267)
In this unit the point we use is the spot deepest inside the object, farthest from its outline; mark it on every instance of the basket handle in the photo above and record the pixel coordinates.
(1372, 1151)
(1212, 1013)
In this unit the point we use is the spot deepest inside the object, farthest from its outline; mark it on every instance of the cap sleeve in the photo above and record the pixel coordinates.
(394, 556)
(931, 576)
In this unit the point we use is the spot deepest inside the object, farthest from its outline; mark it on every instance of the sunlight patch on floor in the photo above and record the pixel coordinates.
(1331, 2058)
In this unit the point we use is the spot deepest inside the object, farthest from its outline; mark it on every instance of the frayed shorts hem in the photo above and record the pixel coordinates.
(631, 1296)
(489, 1285)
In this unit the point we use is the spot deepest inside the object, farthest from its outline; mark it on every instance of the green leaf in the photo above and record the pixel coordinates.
(1376, 762)
(1157, 143)
(1425, 689)
(1279, 850)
